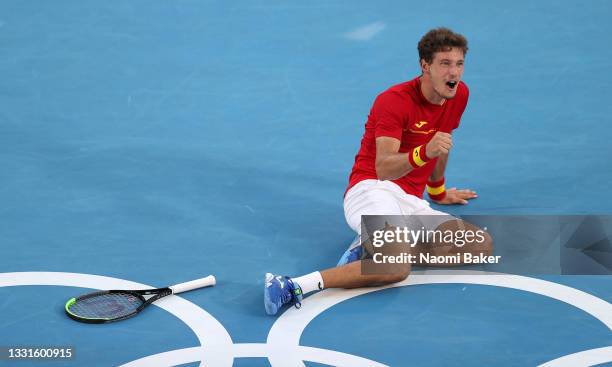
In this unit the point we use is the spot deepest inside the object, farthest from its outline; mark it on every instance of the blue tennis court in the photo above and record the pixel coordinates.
(145, 143)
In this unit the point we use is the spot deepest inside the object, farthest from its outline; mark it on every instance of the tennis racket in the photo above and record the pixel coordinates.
(115, 305)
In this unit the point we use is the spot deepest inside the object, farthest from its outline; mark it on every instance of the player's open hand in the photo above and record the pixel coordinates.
(454, 196)
(441, 143)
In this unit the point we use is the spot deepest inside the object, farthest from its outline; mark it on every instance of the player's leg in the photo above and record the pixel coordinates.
(370, 197)
(479, 242)
(352, 275)
(467, 239)
(283, 290)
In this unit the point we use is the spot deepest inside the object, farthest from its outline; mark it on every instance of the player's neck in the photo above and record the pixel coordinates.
(429, 93)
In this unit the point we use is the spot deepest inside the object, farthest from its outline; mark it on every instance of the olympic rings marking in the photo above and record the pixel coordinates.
(206, 328)
(283, 338)
(585, 358)
(254, 350)
(289, 327)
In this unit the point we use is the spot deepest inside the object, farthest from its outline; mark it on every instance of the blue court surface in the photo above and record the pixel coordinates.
(147, 143)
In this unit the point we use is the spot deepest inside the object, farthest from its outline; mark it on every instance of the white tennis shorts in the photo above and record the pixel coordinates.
(375, 197)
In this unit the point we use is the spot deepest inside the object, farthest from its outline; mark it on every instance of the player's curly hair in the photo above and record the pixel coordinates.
(440, 39)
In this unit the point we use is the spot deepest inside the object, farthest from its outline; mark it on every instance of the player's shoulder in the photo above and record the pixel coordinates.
(463, 89)
(403, 87)
(397, 92)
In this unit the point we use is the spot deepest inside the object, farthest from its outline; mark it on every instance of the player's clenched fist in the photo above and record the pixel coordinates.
(441, 143)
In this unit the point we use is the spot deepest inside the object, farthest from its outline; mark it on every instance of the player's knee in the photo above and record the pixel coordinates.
(397, 275)
(402, 275)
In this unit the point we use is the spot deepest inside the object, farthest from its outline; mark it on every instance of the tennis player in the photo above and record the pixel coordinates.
(404, 150)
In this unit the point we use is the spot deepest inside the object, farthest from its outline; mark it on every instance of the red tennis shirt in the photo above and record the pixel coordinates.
(403, 113)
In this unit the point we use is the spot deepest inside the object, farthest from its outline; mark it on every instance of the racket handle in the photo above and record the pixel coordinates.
(194, 284)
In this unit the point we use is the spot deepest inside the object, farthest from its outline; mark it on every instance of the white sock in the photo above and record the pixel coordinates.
(310, 282)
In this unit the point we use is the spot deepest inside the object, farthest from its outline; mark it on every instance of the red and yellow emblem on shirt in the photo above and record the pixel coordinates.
(419, 125)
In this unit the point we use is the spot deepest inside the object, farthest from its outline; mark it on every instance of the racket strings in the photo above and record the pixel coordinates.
(106, 306)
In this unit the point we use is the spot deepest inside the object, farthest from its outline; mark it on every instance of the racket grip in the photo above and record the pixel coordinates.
(194, 284)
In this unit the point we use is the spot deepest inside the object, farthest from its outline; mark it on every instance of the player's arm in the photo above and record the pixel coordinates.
(452, 195)
(391, 164)
(438, 171)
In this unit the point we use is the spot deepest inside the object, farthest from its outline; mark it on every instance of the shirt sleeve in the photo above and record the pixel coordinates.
(388, 115)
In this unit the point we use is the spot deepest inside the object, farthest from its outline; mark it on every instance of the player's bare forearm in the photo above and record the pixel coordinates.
(390, 163)
(439, 169)
(393, 166)
(453, 195)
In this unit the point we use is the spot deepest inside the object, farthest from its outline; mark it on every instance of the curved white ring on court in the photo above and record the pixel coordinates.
(289, 327)
(208, 330)
(587, 358)
(219, 350)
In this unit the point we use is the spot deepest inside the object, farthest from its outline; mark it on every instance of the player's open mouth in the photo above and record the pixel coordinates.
(451, 84)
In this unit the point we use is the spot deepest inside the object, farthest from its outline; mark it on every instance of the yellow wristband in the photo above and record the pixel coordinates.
(417, 157)
(435, 190)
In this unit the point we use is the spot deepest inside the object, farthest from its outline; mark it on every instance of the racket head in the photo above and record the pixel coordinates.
(105, 306)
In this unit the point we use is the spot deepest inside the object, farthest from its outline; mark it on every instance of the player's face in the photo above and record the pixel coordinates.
(445, 72)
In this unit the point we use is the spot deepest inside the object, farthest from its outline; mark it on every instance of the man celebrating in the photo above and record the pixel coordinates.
(403, 150)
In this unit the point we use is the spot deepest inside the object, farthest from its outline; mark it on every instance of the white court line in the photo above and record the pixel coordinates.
(254, 350)
(585, 358)
(283, 349)
(207, 329)
(289, 327)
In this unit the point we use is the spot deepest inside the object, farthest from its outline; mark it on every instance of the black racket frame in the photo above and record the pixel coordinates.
(158, 293)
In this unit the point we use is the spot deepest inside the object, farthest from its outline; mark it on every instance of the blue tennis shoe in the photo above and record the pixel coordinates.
(279, 291)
